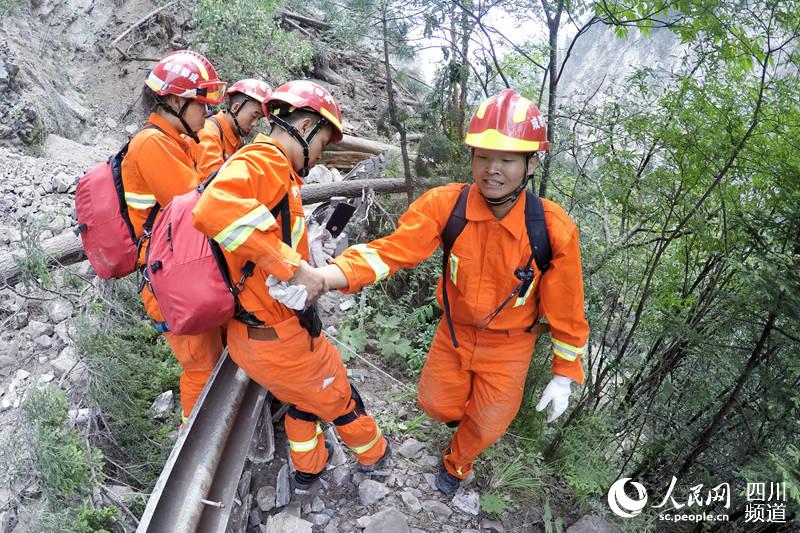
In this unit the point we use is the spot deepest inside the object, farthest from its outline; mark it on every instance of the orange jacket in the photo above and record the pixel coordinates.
(482, 265)
(157, 168)
(234, 211)
(212, 150)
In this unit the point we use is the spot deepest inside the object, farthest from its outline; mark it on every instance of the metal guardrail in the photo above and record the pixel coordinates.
(197, 488)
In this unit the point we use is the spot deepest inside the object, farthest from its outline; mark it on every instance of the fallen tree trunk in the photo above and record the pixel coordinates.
(66, 249)
(360, 144)
(343, 160)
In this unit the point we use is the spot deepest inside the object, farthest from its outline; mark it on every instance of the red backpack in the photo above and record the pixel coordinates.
(105, 228)
(187, 271)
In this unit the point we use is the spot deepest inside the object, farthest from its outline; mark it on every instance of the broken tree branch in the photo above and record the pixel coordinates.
(142, 20)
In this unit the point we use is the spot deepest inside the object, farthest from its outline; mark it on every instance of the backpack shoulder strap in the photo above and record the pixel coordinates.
(452, 229)
(456, 222)
(537, 232)
(218, 125)
(282, 209)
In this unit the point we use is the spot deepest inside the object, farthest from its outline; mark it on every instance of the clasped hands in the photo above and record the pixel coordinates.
(302, 290)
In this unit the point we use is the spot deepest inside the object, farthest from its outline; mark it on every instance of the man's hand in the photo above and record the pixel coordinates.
(314, 283)
(292, 296)
(557, 392)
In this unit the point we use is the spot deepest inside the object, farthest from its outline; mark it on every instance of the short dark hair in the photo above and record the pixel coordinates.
(237, 98)
(150, 100)
(293, 115)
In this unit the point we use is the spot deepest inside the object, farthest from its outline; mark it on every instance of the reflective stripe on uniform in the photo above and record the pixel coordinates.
(139, 201)
(362, 449)
(238, 231)
(566, 351)
(453, 268)
(306, 445)
(524, 298)
(297, 231)
(374, 260)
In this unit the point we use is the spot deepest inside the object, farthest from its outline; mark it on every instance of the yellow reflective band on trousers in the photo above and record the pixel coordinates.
(139, 201)
(374, 260)
(240, 229)
(566, 351)
(307, 445)
(361, 449)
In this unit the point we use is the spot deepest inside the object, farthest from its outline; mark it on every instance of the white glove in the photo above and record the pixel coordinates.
(292, 296)
(322, 246)
(557, 391)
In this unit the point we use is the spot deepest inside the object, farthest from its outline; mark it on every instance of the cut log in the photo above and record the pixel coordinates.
(360, 144)
(67, 249)
(343, 160)
(306, 21)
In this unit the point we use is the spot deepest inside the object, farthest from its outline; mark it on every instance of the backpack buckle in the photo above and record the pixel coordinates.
(524, 274)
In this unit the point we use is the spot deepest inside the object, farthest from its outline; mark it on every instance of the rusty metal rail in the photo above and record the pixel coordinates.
(196, 491)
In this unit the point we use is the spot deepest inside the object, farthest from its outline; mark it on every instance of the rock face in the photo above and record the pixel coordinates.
(370, 491)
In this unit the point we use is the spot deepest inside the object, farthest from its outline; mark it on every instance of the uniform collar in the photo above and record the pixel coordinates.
(161, 123)
(478, 210)
(227, 132)
(266, 139)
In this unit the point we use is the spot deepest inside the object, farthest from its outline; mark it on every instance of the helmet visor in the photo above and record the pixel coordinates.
(212, 92)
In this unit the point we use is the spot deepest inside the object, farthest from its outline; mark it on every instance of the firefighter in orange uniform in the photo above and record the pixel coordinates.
(224, 133)
(473, 378)
(253, 209)
(158, 167)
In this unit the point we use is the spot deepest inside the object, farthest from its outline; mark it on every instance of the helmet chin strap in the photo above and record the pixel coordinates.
(516, 192)
(235, 115)
(179, 114)
(304, 142)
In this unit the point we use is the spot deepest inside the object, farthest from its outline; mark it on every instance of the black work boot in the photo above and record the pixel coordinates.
(304, 481)
(447, 482)
(380, 463)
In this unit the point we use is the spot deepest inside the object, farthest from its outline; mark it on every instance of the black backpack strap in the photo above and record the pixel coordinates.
(537, 232)
(455, 225)
(308, 317)
(203, 186)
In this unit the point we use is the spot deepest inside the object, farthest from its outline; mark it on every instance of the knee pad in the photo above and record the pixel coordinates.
(357, 411)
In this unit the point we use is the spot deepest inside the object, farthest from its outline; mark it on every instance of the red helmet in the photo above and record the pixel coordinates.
(507, 122)
(304, 94)
(189, 75)
(256, 89)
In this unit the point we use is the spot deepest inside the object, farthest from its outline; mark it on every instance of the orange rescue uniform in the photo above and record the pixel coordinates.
(157, 168)
(217, 143)
(235, 211)
(480, 383)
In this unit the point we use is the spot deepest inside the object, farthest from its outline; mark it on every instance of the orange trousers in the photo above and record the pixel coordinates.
(197, 355)
(478, 384)
(315, 381)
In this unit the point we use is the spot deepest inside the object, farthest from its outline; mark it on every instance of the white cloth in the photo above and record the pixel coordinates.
(292, 296)
(556, 392)
(322, 245)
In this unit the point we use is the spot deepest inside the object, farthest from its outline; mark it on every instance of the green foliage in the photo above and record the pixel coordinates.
(493, 504)
(551, 525)
(583, 458)
(8, 6)
(243, 39)
(62, 465)
(82, 520)
(129, 365)
(32, 263)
